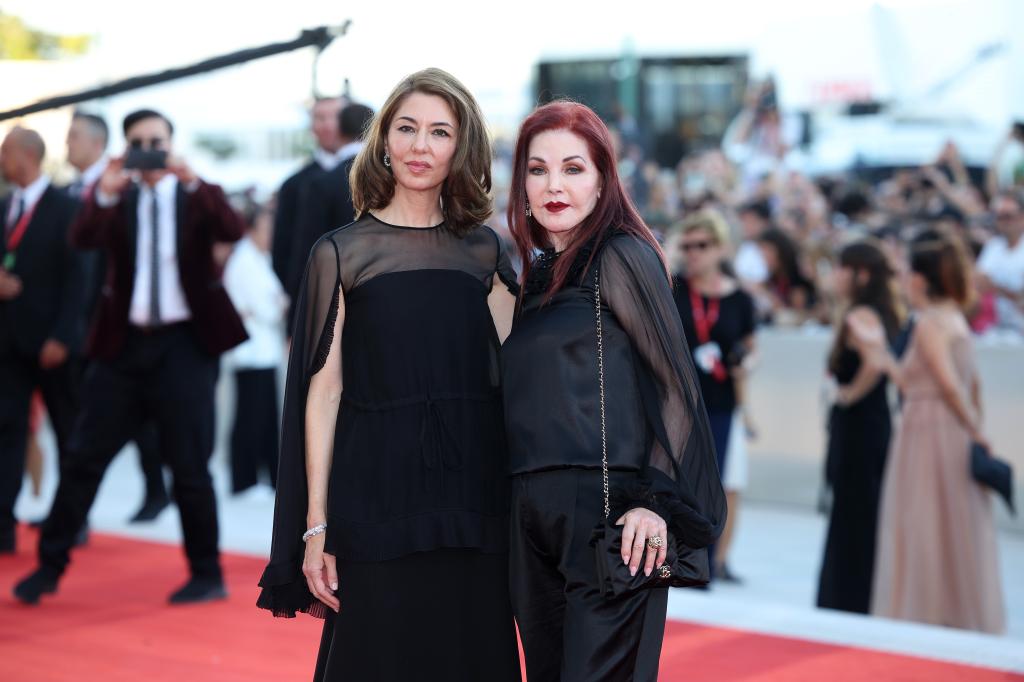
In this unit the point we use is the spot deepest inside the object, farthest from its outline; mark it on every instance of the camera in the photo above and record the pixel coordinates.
(145, 159)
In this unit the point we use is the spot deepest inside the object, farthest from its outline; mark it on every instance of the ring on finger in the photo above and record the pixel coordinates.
(655, 542)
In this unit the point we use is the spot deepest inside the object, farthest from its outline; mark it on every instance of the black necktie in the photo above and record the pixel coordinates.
(154, 264)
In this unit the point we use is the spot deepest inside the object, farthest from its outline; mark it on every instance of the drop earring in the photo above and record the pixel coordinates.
(528, 211)
(387, 159)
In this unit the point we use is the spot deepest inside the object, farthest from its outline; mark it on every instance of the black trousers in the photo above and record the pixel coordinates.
(19, 376)
(570, 631)
(254, 438)
(163, 377)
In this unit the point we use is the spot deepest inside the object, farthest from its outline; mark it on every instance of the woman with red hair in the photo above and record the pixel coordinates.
(602, 409)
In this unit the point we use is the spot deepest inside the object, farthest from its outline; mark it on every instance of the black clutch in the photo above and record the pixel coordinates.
(683, 566)
(993, 473)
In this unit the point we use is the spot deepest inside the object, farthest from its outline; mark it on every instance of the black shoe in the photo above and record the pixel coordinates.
(41, 581)
(723, 573)
(8, 545)
(150, 510)
(199, 590)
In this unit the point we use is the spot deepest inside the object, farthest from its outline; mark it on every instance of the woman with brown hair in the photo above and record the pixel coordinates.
(937, 560)
(603, 412)
(859, 428)
(392, 509)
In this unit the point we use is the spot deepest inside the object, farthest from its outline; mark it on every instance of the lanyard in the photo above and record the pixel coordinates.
(703, 320)
(15, 237)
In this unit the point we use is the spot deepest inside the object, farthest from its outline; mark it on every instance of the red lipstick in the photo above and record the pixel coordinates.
(555, 206)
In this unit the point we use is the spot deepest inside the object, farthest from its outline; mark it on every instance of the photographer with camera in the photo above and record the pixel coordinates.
(163, 319)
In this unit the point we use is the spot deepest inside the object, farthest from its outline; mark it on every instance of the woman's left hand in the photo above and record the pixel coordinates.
(639, 524)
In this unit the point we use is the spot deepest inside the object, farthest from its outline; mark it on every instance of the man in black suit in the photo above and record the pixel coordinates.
(41, 285)
(324, 124)
(87, 153)
(163, 320)
(326, 198)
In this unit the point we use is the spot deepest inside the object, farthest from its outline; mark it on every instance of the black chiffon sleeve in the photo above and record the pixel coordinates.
(284, 587)
(503, 266)
(681, 479)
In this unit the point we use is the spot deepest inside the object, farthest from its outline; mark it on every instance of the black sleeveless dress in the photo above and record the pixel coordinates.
(858, 445)
(417, 510)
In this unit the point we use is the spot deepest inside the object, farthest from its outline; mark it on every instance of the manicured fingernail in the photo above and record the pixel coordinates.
(647, 572)
(334, 586)
(632, 571)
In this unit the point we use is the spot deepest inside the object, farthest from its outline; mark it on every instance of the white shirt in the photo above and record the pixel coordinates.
(30, 195)
(261, 301)
(91, 175)
(173, 306)
(350, 150)
(749, 263)
(1005, 267)
(327, 160)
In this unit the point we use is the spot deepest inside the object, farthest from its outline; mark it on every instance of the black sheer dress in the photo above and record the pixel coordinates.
(417, 510)
(858, 444)
(660, 451)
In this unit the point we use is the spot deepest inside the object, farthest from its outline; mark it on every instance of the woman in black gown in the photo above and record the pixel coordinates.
(567, 201)
(393, 462)
(859, 430)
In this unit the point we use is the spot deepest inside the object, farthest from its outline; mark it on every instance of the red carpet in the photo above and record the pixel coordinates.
(110, 623)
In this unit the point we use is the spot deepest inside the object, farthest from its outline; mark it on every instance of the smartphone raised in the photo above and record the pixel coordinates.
(145, 159)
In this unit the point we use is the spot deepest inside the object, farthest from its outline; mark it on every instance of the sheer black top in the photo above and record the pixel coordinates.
(656, 422)
(419, 449)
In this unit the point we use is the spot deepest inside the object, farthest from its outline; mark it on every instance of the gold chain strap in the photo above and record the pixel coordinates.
(600, 379)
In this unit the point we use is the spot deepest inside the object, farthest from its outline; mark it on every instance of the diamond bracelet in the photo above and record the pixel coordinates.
(315, 530)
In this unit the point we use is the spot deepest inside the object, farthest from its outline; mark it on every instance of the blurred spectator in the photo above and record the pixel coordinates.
(326, 198)
(261, 302)
(1001, 263)
(790, 296)
(718, 319)
(87, 146)
(859, 429)
(759, 138)
(326, 156)
(41, 288)
(755, 219)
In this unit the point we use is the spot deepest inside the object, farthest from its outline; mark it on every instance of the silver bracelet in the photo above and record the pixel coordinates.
(315, 530)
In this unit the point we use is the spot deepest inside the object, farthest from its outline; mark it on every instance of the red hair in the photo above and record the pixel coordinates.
(614, 209)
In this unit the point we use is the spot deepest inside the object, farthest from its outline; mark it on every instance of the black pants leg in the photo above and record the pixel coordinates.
(254, 438)
(148, 442)
(111, 412)
(61, 389)
(181, 397)
(570, 631)
(17, 379)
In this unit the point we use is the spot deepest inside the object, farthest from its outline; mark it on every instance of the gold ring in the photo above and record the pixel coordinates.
(655, 542)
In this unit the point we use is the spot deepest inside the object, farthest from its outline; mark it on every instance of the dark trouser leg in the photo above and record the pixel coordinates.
(721, 425)
(601, 640)
(269, 419)
(148, 441)
(254, 438)
(536, 584)
(17, 377)
(61, 388)
(111, 412)
(181, 394)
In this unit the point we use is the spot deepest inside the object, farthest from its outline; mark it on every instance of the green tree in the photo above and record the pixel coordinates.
(18, 41)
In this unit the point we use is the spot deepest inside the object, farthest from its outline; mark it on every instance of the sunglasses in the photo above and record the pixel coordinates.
(1005, 215)
(154, 143)
(687, 247)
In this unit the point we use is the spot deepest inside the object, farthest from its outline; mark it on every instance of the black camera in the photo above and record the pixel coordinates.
(145, 159)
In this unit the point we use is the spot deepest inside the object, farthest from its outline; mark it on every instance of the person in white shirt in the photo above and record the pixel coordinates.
(1001, 263)
(260, 300)
(87, 153)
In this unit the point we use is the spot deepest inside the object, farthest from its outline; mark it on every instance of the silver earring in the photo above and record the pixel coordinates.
(528, 211)
(387, 160)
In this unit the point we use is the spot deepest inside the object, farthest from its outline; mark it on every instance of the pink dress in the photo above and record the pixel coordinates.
(937, 559)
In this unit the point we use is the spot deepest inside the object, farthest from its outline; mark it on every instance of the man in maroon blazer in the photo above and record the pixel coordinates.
(162, 320)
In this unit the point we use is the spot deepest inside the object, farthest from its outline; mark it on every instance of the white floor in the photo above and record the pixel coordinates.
(777, 553)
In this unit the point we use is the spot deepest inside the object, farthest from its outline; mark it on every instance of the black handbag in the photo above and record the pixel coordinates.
(684, 566)
(993, 473)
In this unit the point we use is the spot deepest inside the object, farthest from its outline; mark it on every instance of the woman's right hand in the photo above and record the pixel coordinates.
(321, 571)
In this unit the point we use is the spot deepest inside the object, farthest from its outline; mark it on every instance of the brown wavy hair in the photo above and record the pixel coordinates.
(945, 266)
(465, 195)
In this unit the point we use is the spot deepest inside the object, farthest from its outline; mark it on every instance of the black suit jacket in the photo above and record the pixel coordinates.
(285, 218)
(325, 204)
(52, 277)
(203, 217)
